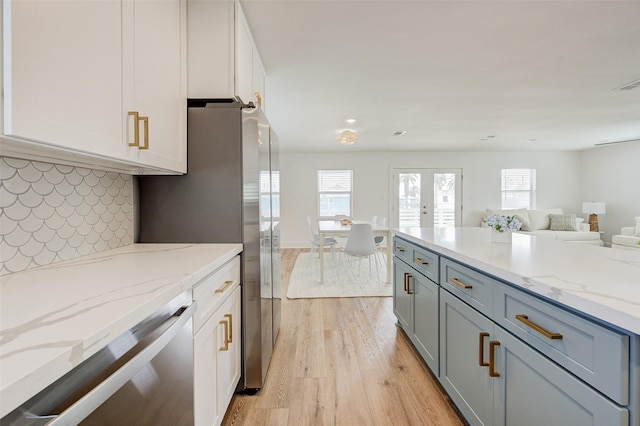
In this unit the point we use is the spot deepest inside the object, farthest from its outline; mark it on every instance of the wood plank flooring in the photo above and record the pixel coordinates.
(342, 362)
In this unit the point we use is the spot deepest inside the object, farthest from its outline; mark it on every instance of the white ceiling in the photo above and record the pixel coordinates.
(449, 72)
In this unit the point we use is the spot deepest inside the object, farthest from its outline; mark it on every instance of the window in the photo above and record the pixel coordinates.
(518, 188)
(334, 193)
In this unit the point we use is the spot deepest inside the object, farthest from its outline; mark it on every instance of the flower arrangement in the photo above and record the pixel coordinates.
(503, 223)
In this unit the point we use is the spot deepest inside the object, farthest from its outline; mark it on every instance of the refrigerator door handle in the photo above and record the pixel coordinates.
(80, 409)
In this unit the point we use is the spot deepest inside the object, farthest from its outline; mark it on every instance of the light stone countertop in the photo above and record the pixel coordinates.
(601, 282)
(56, 316)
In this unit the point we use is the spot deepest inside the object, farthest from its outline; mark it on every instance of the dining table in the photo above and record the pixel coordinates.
(336, 228)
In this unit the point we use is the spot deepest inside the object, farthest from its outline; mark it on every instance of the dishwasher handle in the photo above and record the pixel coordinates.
(98, 395)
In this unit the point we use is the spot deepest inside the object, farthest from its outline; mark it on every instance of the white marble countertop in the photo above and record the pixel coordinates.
(54, 317)
(601, 282)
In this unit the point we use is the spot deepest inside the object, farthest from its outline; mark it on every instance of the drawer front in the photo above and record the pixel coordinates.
(402, 249)
(211, 292)
(592, 352)
(426, 262)
(471, 286)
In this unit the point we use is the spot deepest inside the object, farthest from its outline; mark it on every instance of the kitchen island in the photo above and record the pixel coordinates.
(54, 317)
(511, 328)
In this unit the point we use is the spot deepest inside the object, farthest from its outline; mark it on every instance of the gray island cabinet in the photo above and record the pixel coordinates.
(512, 346)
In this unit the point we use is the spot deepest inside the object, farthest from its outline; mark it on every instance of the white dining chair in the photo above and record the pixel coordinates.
(360, 244)
(314, 240)
(382, 221)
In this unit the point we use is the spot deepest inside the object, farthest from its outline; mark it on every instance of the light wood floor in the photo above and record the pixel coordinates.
(342, 362)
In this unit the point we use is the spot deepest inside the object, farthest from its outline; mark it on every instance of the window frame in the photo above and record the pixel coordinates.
(530, 191)
(320, 192)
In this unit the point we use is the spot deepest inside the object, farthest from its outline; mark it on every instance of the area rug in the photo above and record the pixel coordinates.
(341, 278)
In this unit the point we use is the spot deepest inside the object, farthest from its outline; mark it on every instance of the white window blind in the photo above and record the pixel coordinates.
(518, 188)
(270, 193)
(334, 193)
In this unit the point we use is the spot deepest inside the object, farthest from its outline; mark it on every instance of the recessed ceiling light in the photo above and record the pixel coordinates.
(399, 132)
(531, 140)
(350, 120)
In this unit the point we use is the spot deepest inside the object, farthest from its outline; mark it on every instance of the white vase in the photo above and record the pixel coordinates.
(501, 237)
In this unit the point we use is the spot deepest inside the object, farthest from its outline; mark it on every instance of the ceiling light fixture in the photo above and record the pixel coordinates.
(399, 132)
(347, 137)
(350, 120)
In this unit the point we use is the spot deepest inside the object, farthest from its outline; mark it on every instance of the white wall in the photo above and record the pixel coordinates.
(611, 173)
(558, 182)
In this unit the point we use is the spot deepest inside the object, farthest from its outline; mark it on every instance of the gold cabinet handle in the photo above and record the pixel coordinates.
(492, 360)
(136, 129)
(230, 318)
(481, 360)
(420, 261)
(258, 98)
(225, 347)
(525, 320)
(145, 120)
(409, 276)
(401, 250)
(460, 283)
(224, 288)
(406, 281)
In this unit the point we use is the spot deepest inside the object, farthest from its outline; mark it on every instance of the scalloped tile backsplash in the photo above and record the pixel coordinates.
(50, 212)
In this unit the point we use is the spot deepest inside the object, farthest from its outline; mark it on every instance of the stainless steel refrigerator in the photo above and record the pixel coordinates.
(230, 194)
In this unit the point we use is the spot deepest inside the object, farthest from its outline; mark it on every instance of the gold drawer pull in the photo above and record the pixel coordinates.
(226, 285)
(460, 283)
(481, 360)
(230, 317)
(406, 281)
(420, 261)
(146, 132)
(525, 320)
(492, 359)
(136, 129)
(226, 336)
(401, 250)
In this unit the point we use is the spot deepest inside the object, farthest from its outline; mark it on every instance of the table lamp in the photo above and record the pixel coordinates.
(593, 209)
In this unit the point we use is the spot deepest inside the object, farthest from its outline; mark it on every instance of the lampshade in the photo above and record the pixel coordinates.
(347, 137)
(594, 207)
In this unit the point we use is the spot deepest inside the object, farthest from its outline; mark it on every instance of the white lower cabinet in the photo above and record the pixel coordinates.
(216, 348)
(495, 379)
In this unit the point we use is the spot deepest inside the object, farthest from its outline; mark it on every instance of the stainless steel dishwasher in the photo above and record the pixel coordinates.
(144, 377)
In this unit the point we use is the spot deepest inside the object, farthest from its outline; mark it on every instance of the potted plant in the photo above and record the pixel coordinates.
(502, 227)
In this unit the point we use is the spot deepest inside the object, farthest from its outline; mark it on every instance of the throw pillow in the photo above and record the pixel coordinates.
(637, 226)
(562, 222)
(539, 219)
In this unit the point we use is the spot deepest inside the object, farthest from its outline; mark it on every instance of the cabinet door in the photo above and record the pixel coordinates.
(402, 300)
(466, 381)
(154, 58)
(532, 390)
(62, 84)
(205, 364)
(425, 326)
(228, 358)
(244, 62)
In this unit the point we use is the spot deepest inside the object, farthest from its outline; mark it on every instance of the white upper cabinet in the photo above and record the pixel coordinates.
(154, 86)
(223, 60)
(74, 69)
(62, 63)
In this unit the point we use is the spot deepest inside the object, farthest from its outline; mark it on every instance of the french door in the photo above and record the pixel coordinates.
(427, 197)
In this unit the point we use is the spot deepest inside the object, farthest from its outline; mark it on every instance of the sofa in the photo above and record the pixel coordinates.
(629, 237)
(564, 227)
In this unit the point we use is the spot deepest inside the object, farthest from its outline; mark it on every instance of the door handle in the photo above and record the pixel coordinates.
(225, 347)
(492, 359)
(481, 360)
(230, 317)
